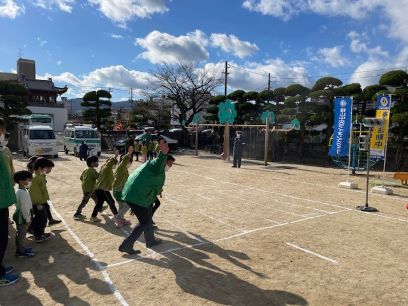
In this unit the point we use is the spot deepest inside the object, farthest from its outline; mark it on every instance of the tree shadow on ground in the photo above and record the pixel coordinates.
(197, 276)
(56, 265)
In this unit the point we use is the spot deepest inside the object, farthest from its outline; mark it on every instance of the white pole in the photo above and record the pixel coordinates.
(350, 139)
(386, 142)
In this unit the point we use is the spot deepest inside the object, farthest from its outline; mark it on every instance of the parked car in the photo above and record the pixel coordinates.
(173, 143)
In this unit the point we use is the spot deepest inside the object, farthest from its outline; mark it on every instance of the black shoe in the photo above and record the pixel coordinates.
(53, 221)
(130, 251)
(233, 166)
(155, 242)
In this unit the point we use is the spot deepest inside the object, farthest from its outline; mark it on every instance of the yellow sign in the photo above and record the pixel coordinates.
(379, 134)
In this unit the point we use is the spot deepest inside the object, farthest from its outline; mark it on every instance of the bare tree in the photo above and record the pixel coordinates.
(188, 87)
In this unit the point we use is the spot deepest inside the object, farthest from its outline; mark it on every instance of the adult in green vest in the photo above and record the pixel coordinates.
(140, 191)
(7, 198)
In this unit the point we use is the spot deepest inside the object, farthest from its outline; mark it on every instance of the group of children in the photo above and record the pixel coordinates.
(32, 207)
(98, 186)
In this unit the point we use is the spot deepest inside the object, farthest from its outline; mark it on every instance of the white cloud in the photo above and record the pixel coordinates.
(394, 11)
(254, 75)
(59, 63)
(63, 5)
(333, 56)
(122, 11)
(116, 36)
(359, 44)
(41, 41)
(10, 9)
(232, 44)
(165, 48)
(113, 76)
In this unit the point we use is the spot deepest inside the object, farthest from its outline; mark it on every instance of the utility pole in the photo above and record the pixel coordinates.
(131, 95)
(226, 79)
(269, 85)
(226, 131)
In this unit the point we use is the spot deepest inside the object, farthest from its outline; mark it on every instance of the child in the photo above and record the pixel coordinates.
(51, 220)
(121, 176)
(88, 179)
(104, 185)
(39, 197)
(22, 215)
(137, 149)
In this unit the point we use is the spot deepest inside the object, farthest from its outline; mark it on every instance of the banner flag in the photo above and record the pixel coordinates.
(379, 134)
(342, 122)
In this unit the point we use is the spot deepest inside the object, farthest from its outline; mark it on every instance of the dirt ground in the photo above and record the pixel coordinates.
(283, 234)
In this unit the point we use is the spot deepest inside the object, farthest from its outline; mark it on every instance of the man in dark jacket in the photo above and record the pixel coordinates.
(237, 151)
(140, 192)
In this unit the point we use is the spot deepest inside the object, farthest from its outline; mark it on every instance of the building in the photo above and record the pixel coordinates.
(42, 94)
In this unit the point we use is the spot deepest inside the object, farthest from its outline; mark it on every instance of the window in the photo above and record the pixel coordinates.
(42, 134)
(86, 134)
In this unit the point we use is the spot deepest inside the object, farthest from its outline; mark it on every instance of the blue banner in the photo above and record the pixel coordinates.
(342, 121)
(384, 102)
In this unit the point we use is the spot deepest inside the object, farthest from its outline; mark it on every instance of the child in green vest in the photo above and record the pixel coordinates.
(104, 185)
(39, 196)
(22, 215)
(121, 176)
(88, 179)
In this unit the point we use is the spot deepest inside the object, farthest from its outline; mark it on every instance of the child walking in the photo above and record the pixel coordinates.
(121, 176)
(39, 197)
(104, 185)
(88, 179)
(22, 215)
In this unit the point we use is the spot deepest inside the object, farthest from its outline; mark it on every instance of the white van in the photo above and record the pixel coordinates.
(74, 135)
(39, 140)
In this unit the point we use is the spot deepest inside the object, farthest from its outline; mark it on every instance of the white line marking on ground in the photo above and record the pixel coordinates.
(298, 198)
(184, 231)
(98, 265)
(220, 239)
(220, 221)
(204, 197)
(313, 253)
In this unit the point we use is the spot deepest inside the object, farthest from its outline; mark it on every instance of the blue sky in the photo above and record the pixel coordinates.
(118, 43)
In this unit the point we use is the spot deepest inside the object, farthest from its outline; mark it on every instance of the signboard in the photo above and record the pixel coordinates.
(379, 134)
(342, 122)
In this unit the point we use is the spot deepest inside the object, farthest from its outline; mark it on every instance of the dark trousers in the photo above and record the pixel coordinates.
(137, 155)
(144, 215)
(85, 200)
(39, 220)
(237, 160)
(48, 211)
(4, 225)
(101, 197)
(155, 205)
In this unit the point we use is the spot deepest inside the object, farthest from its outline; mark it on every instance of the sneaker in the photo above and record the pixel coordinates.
(130, 251)
(8, 279)
(53, 222)
(153, 243)
(79, 216)
(118, 221)
(8, 269)
(25, 254)
(95, 219)
(42, 238)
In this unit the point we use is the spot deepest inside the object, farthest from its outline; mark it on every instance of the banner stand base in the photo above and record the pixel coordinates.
(348, 185)
(367, 208)
(382, 190)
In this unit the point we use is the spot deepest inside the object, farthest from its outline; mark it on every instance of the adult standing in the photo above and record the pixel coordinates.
(7, 198)
(140, 192)
(237, 151)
